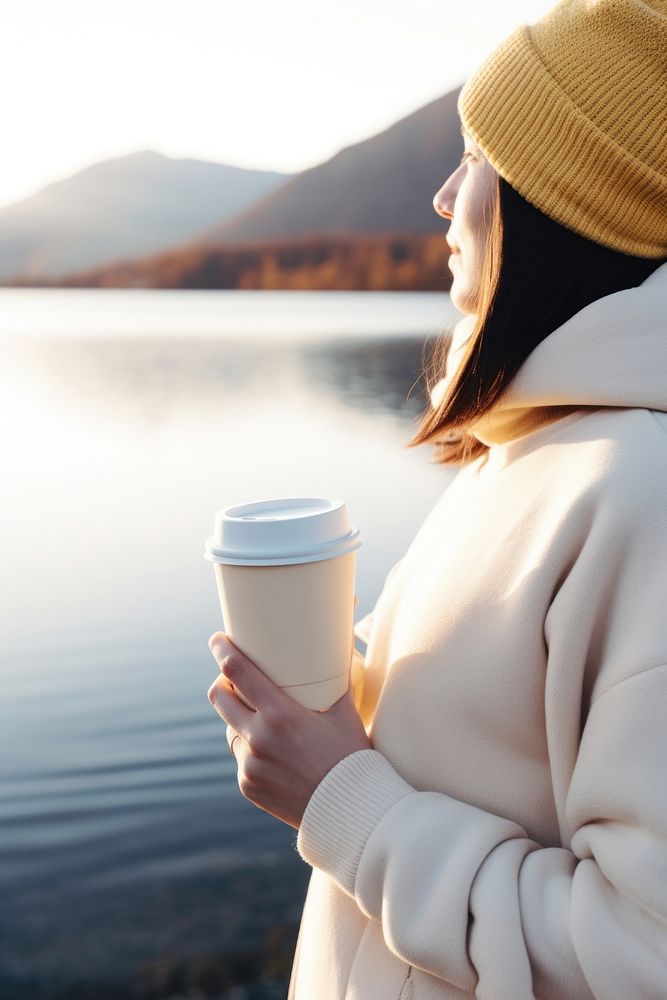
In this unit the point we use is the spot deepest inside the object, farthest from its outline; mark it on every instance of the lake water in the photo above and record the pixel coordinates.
(130, 863)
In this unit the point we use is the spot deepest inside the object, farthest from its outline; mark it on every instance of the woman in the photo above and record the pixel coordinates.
(492, 822)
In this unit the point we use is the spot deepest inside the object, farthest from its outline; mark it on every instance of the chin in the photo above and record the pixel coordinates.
(462, 299)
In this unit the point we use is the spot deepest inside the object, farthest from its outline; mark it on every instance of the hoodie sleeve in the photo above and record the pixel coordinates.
(363, 627)
(468, 896)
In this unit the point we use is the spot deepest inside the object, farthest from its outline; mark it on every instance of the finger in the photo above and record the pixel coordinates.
(246, 676)
(238, 748)
(229, 707)
(231, 734)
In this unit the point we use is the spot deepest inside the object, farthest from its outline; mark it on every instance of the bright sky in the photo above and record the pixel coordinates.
(271, 84)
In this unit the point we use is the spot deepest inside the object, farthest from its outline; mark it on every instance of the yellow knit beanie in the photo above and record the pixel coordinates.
(572, 112)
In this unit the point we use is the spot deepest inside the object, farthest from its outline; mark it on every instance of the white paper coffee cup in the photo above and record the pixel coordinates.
(285, 569)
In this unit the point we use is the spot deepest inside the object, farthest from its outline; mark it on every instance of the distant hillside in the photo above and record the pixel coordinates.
(384, 184)
(121, 208)
(364, 263)
(316, 229)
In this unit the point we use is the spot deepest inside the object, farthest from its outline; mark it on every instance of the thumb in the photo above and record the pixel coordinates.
(346, 704)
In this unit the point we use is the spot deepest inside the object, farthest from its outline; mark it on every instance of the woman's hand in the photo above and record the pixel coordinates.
(285, 749)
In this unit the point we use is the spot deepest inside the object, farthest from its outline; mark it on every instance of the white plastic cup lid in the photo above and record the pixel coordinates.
(282, 531)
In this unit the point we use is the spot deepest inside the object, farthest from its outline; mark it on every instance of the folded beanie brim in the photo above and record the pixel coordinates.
(557, 158)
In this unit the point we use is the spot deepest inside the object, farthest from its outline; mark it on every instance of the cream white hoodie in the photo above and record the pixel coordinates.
(506, 837)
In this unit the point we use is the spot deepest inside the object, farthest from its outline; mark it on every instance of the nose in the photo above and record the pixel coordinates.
(443, 201)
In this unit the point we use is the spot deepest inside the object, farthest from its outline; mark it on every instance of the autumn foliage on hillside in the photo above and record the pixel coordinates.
(364, 263)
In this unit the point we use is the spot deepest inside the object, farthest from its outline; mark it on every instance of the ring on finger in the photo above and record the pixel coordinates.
(231, 744)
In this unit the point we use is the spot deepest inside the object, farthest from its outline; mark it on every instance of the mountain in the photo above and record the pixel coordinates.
(363, 219)
(122, 208)
(384, 184)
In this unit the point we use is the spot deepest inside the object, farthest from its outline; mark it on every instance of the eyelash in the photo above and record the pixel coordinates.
(463, 158)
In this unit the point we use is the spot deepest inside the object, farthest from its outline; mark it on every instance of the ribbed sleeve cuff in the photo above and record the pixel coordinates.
(344, 810)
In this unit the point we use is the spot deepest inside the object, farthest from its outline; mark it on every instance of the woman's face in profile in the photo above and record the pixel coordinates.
(466, 198)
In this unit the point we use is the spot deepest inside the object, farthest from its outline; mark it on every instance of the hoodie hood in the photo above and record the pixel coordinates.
(611, 353)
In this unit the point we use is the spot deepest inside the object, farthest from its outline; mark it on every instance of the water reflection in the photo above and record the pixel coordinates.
(372, 376)
(130, 865)
(156, 381)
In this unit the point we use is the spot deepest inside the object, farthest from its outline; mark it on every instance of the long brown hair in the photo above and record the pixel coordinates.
(536, 275)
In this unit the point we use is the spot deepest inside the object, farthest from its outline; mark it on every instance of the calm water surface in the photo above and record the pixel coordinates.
(130, 864)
